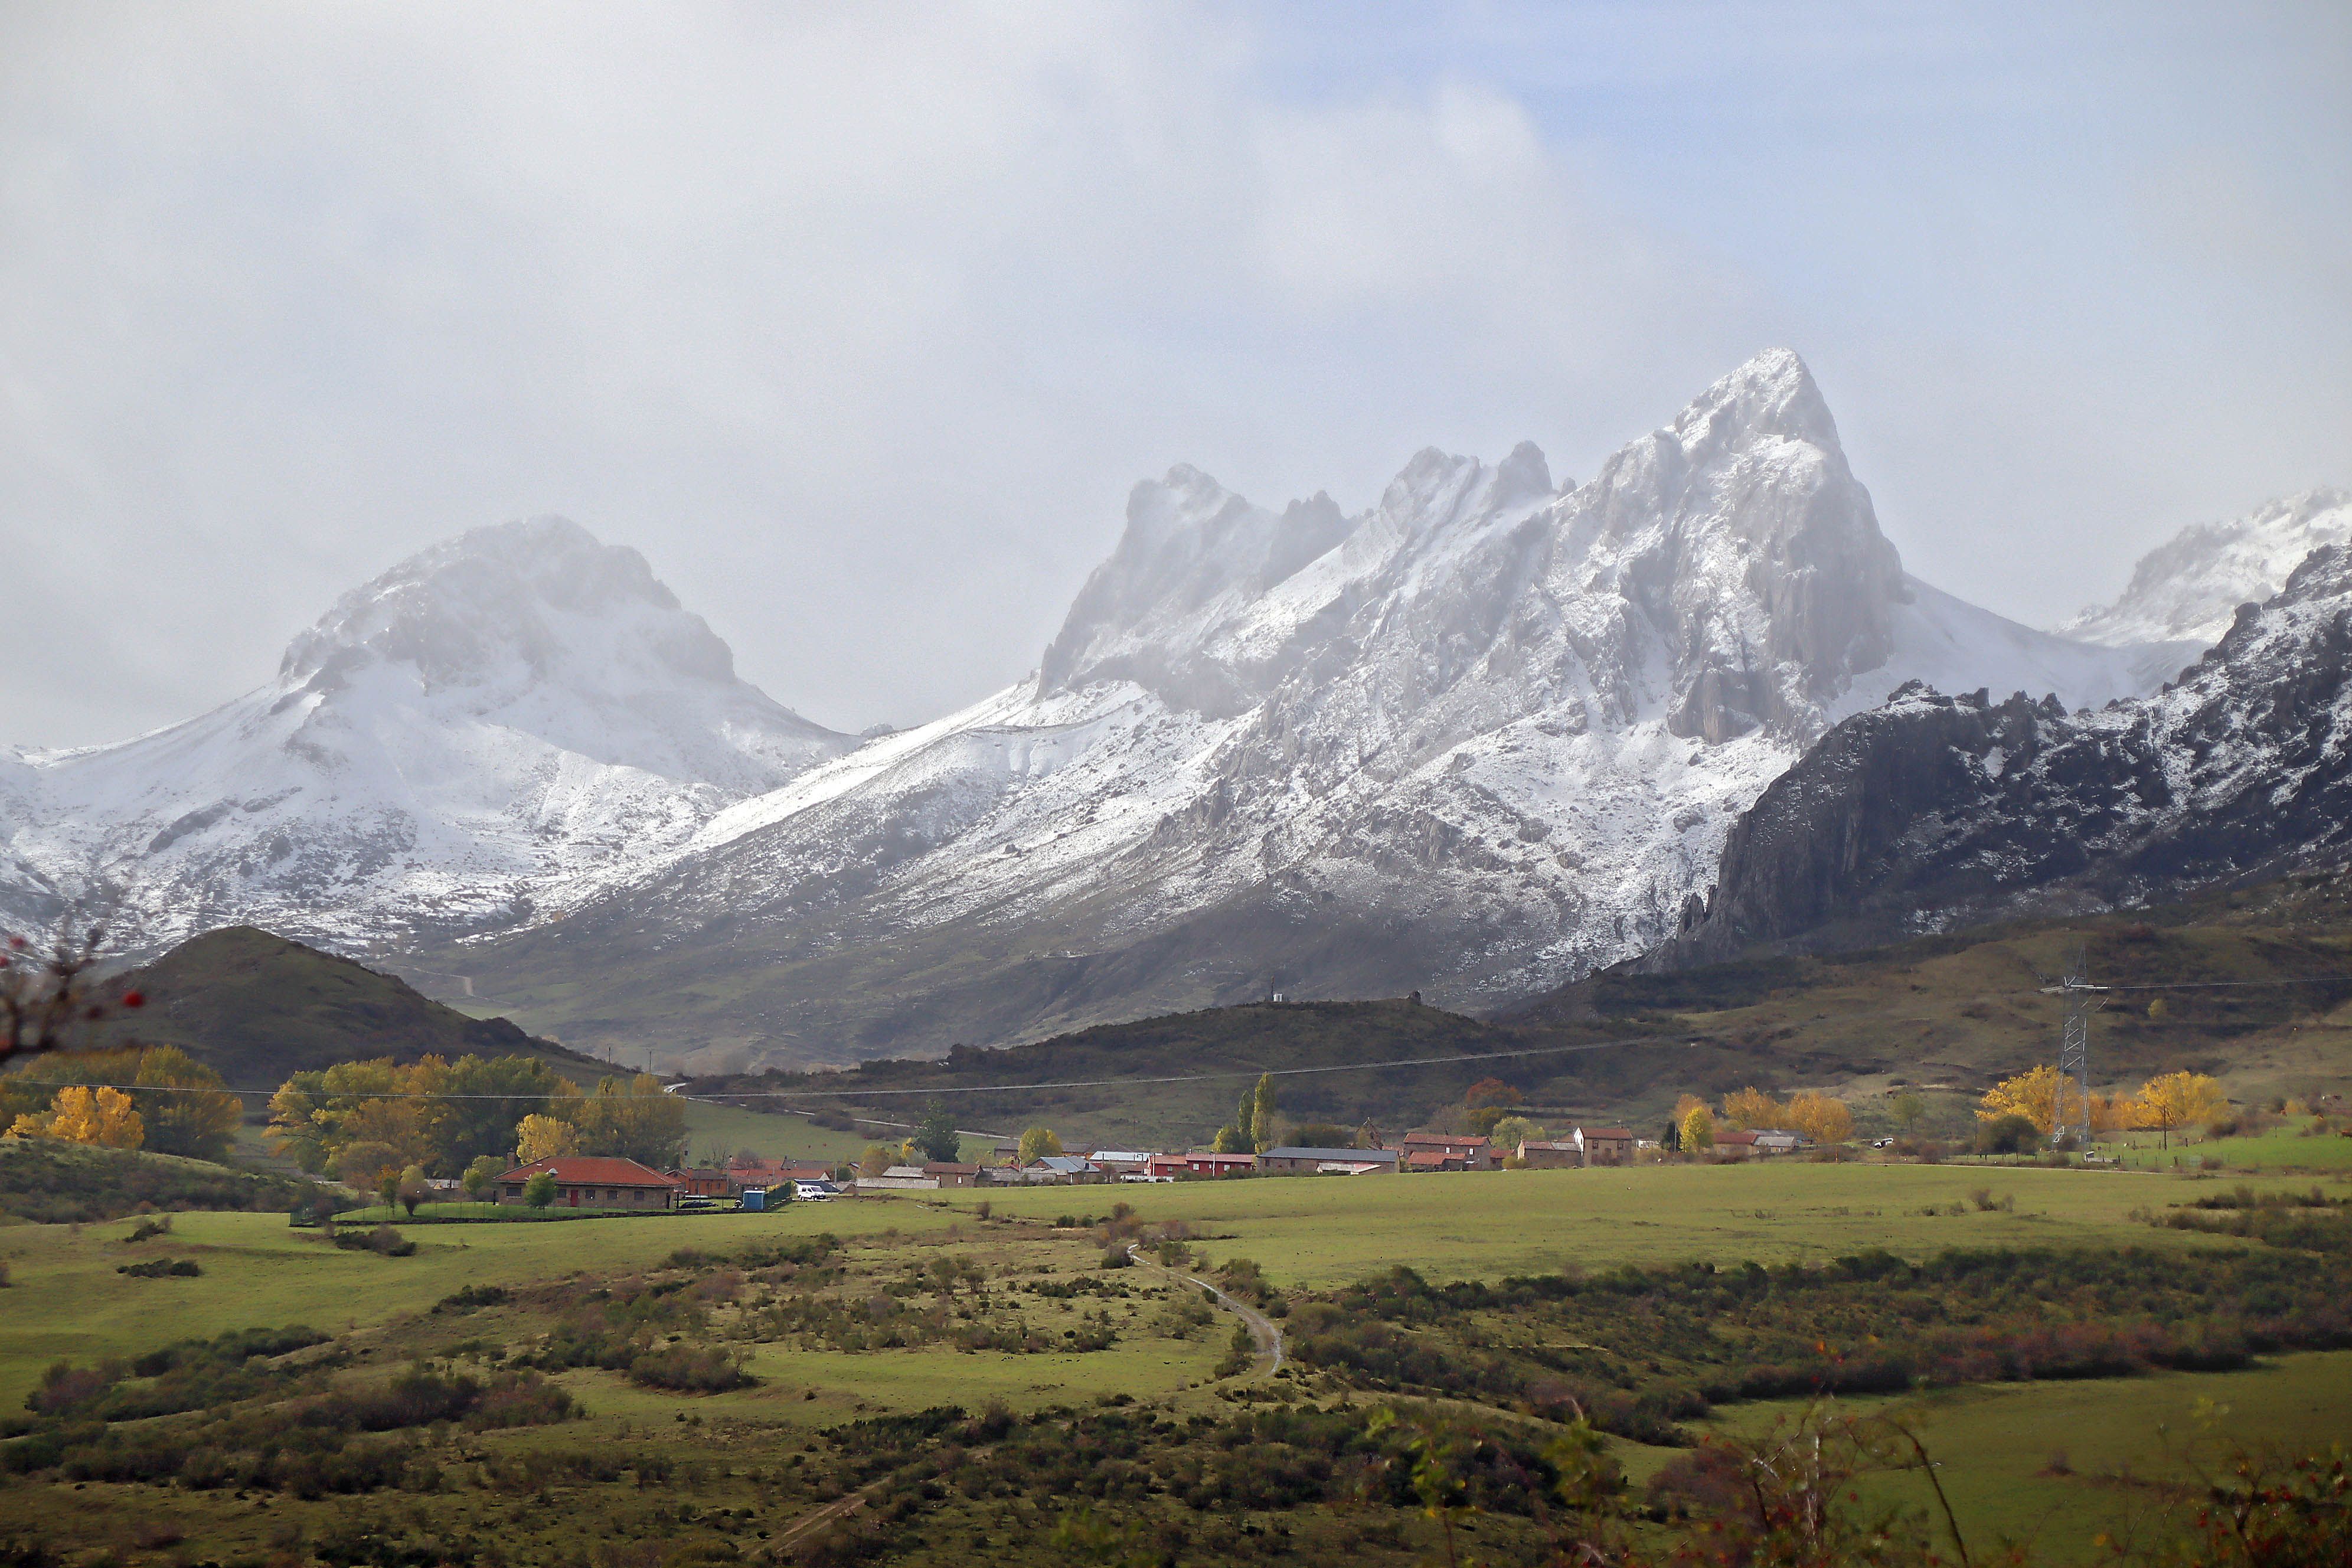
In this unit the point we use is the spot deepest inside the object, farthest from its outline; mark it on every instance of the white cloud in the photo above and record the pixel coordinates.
(860, 320)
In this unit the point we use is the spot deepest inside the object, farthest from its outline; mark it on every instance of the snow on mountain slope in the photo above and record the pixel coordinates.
(1484, 736)
(1939, 811)
(501, 724)
(2187, 589)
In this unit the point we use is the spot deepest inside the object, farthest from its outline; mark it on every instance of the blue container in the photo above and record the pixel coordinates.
(755, 1200)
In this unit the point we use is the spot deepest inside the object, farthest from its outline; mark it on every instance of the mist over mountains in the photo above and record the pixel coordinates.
(1477, 740)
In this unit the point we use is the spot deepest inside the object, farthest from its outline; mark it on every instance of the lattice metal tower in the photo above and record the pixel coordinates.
(2069, 1115)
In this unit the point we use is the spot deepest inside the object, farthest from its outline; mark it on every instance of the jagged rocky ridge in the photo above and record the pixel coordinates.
(487, 732)
(2187, 590)
(1935, 812)
(1480, 738)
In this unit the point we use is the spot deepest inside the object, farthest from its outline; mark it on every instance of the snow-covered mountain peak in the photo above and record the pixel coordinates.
(1773, 394)
(2189, 588)
(499, 722)
(538, 600)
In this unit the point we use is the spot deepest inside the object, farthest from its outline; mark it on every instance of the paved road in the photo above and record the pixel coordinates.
(1261, 1327)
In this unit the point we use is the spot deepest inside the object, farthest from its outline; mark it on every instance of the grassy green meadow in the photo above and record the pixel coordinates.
(1320, 1231)
(2051, 1467)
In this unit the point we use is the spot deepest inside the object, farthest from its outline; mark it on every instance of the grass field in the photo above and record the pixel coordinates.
(2051, 1466)
(2281, 1149)
(2120, 1436)
(66, 1299)
(1316, 1231)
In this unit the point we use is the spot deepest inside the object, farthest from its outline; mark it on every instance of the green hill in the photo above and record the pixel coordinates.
(1943, 1015)
(257, 1008)
(50, 1183)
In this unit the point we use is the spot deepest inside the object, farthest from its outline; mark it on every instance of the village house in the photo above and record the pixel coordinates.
(743, 1172)
(595, 1181)
(1290, 1160)
(1058, 1170)
(706, 1183)
(899, 1178)
(1606, 1145)
(1432, 1159)
(1214, 1165)
(1121, 1162)
(1734, 1145)
(1554, 1155)
(1774, 1140)
(1472, 1153)
(948, 1173)
(1165, 1167)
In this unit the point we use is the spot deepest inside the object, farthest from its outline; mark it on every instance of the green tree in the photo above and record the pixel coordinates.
(1232, 1140)
(1513, 1130)
(363, 1166)
(410, 1189)
(2011, 1134)
(539, 1191)
(935, 1136)
(387, 1187)
(877, 1158)
(1261, 1114)
(500, 1091)
(636, 1120)
(193, 1117)
(483, 1175)
(1907, 1110)
(1036, 1144)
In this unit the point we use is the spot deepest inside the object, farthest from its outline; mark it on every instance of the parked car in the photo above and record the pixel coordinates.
(814, 1192)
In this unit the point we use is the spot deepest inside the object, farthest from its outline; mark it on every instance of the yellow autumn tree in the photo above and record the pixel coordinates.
(2033, 1095)
(1751, 1109)
(1822, 1118)
(541, 1137)
(1698, 1130)
(81, 1114)
(2179, 1099)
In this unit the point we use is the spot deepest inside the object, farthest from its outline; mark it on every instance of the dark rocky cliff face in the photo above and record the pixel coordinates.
(1935, 812)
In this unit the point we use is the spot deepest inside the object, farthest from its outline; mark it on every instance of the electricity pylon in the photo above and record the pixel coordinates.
(2070, 1111)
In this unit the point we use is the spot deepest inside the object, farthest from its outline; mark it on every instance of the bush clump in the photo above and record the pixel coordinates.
(689, 1369)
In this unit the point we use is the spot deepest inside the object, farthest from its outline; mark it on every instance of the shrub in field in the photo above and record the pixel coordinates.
(383, 1240)
(689, 1369)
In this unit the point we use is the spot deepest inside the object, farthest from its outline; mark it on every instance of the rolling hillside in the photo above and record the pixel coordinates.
(1946, 1015)
(256, 1008)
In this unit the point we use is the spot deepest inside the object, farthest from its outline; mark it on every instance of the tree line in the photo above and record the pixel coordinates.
(359, 1121)
(174, 1104)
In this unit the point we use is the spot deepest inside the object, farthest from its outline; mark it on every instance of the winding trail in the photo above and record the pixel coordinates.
(1261, 1327)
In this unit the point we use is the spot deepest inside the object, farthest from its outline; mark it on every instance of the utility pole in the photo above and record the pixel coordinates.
(2083, 999)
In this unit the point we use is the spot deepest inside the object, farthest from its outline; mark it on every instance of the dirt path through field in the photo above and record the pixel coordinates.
(1261, 1327)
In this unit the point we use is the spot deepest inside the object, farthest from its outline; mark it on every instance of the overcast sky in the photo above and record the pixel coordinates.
(860, 321)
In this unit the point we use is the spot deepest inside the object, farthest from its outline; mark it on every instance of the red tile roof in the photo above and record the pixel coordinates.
(1438, 1140)
(1608, 1132)
(594, 1170)
(1429, 1157)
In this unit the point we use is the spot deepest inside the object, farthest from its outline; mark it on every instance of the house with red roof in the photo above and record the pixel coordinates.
(597, 1181)
(1472, 1154)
